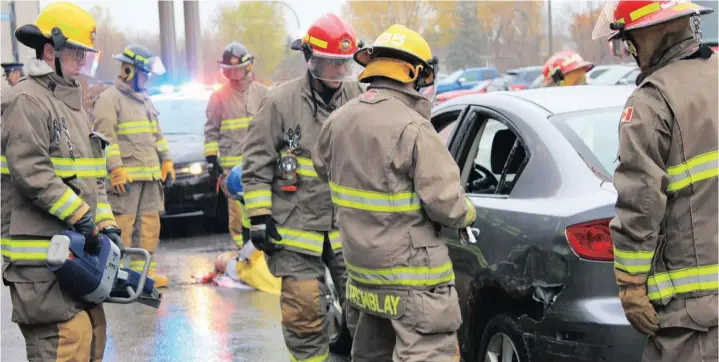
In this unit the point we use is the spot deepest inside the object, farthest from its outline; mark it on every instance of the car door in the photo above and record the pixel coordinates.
(491, 155)
(470, 79)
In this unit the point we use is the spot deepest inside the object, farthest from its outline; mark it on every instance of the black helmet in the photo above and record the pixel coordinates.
(236, 55)
(141, 59)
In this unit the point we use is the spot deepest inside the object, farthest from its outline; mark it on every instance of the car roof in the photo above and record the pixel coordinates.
(524, 69)
(557, 100)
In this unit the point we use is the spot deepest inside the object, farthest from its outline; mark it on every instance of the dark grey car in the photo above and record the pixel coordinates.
(539, 283)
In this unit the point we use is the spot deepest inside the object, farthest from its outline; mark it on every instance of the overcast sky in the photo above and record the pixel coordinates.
(142, 15)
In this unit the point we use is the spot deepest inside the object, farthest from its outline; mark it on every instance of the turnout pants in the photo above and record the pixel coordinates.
(56, 326)
(407, 326)
(304, 299)
(137, 213)
(688, 332)
(238, 223)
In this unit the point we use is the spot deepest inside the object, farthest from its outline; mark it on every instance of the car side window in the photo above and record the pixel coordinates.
(499, 154)
(488, 74)
(471, 76)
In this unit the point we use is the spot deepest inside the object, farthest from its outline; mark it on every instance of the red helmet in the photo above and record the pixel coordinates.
(329, 46)
(619, 16)
(561, 63)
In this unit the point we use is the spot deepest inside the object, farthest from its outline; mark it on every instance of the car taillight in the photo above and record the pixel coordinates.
(591, 240)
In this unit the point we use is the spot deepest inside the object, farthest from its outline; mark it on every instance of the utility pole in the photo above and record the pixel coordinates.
(193, 39)
(167, 38)
(550, 32)
(13, 26)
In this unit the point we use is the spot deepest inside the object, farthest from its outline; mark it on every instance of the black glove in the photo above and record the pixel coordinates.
(262, 230)
(86, 227)
(216, 170)
(114, 234)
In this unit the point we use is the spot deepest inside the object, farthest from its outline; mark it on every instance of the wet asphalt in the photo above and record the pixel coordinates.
(193, 323)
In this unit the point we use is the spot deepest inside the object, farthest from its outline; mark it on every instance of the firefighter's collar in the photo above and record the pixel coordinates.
(126, 89)
(409, 97)
(307, 92)
(66, 91)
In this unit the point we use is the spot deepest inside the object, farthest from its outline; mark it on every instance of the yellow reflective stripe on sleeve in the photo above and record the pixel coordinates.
(667, 284)
(471, 212)
(67, 167)
(321, 358)
(230, 161)
(238, 240)
(80, 167)
(162, 145)
(25, 249)
(212, 148)
(335, 240)
(374, 201)
(245, 218)
(402, 276)
(68, 204)
(134, 127)
(699, 168)
(305, 240)
(258, 199)
(645, 10)
(3, 165)
(633, 262)
(112, 150)
(236, 123)
(103, 212)
(144, 172)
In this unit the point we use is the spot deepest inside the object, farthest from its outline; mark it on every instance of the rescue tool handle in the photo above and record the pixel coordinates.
(134, 294)
(468, 235)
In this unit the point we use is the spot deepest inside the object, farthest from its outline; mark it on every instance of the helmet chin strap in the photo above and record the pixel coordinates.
(58, 40)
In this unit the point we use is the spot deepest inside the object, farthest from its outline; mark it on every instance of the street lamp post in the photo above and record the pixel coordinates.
(550, 32)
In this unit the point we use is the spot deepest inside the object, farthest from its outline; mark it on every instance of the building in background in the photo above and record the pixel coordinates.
(14, 14)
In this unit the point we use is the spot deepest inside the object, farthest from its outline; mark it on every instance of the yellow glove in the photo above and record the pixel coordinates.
(118, 179)
(168, 168)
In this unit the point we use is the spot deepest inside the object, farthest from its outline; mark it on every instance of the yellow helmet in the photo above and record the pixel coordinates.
(400, 54)
(62, 21)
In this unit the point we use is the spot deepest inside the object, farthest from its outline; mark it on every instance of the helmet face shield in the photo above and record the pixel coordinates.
(235, 71)
(154, 65)
(334, 68)
(76, 61)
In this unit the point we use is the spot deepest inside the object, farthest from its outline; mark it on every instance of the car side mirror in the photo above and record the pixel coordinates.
(461, 80)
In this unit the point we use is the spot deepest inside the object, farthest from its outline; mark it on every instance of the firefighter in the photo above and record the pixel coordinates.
(138, 156)
(228, 114)
(665, 230)
(565, 68)
(289, 207)
(395, 184)
(52, 174)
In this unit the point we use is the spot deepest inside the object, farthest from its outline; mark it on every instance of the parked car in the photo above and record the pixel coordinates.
(597, 71)
(194, 192)
(521, 78)
(539, 283)
(618, 74)
(479, 88)
(466, 79)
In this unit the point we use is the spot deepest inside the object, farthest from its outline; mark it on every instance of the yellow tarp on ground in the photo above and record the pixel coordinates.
(255, 273)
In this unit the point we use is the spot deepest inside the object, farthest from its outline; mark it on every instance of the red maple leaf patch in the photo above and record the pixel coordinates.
(627, 115)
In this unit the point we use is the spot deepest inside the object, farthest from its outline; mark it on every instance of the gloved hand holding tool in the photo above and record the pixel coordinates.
(262, 229)
(120, 180)
(216, 170)
(114, 234)
(86, 226)
(168, 169)
(639, 311)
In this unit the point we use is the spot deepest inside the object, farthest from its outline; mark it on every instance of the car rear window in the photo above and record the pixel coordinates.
(594, 135)
(182, 115)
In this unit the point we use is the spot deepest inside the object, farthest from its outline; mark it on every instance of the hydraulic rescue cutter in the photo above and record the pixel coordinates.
(99, 278)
